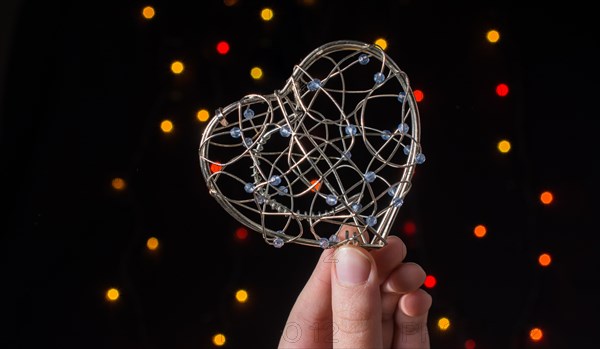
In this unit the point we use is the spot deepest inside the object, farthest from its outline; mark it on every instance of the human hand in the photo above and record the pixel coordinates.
(361, 299)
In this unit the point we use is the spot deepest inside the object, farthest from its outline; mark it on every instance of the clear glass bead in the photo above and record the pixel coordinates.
(370, 176)
(235, 132)
(314, 85)
(363, 59)
(248, 113)
(379, 77)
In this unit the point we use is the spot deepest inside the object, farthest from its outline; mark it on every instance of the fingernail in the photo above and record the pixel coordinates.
(353, 267)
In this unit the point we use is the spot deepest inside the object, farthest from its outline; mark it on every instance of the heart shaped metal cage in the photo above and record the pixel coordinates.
(337, 146)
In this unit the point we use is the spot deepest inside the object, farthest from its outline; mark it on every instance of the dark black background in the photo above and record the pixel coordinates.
(84, 86)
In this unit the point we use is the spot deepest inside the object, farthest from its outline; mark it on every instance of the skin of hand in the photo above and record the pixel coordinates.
(356, 298)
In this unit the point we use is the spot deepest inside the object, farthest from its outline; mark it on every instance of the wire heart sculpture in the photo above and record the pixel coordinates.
(336, 146)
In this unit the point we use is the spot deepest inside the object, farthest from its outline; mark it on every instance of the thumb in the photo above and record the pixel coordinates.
(356, 301)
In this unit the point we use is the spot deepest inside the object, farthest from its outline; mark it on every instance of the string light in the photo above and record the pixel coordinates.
(316, 185)
(216, 167)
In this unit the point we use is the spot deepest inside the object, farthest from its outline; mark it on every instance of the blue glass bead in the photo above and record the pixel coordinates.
(248, 113)
(363, 59)
(379, 77)
(314, 85)
(370, 176)
(260, 199)
(347, 155)
(386, 134)
(356, 207)
(334, 239)
(371, 221)
(401, 97)
(235, 132)
(275, 180)
(406, 150)
(350, 130)
(397, 202)
(420, 158)
(285, 131)
(278, 242)
(392, 191)
(248, 142)
(403, 128)
(283, 190)
(324, 242)
(331, 200)
(249, 187)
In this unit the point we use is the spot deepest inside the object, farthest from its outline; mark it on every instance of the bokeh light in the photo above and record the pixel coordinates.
(241, 233)
(493, 36)
(480, 231)
(219, 339)
(241, 296)
(419, 95)
(315, 185)
(443, 323)
(118, 183)
(112, 294)
(504, 146)
(216, 167)
(544, 259)
(381, 42)
(223, 47)
(430, 281)
(409, 228)
(152, 243)
(266, 14)
(256, 73)
(166, 126)
(502, 90)
(536, 334)
(546, 198)
(230, 3)
(202, 115)
(177, 67)
(148, 12)
(469, 344)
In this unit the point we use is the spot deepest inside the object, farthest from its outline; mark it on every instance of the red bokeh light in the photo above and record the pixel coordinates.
(223, 47)
(418, 95)
(410, 228)
(241, 233)
(430, 281)
(502, 90)
(469, 344)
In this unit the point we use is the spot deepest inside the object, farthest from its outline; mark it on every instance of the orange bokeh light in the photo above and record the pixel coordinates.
(544, 259)
(546, 197)
(480, 231)
(215, 167)
(536, 334)
(317, 185)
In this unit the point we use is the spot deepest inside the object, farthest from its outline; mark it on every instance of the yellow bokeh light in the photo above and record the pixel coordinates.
(112, 294)
(536, 334)
(241, 296)
(177, 67)
(152, 243)
(381, 42)
(166, 126)
(219, 339)
(493, 36)
(266, 14)
(504, 146)
(256, 73)
(443, 323)
(148, 12)
(202, 115)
